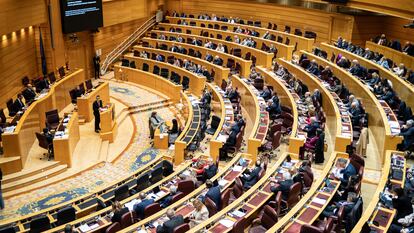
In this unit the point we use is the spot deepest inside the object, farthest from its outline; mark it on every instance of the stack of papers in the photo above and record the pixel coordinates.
(237, 168)
(226, 222)
(238, 213)
(319, 201)
(222, 182)
(161, 193)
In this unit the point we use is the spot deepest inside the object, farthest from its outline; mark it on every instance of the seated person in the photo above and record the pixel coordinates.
(273, 108)
(217, 61)
(173, 222)
(250, 177)
(407, 131)
(207, 171)
(266, 93)
(49, 137)
(199, 215)
(18, 104)
(167, 200)
(311, 142)
(155, 122)
(312, 127)
(401, 202)
(29, 93)
(282, 186)
(173, 132)
(354, 113)
(118, 211)
(400, 70)
(343, 173)
(230, 142)
(213, 193)
(348, 204)
(140, 207)
(234, 95)
(356, 68)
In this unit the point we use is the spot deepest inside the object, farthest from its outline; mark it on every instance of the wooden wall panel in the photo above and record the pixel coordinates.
(18, 14)
(304, 19)
(394, 29)
(17, 59)
(120, 11)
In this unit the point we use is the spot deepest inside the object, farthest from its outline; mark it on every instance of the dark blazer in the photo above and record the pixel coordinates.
(284, 187)
(251, 179)
(118, 214)
(408, 135)
(266, 94)
(18, 105)
(96, 105)
(347, 172)
(140, 207)
(311, 129)
(210, 171)
(403, 206)
(28, 94)
(214, 194)
(168, 226)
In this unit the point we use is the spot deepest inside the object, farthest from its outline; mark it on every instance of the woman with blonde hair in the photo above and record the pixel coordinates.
(118, 211)
(200, 213)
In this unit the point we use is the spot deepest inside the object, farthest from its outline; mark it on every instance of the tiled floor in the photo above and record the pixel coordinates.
(137, 154)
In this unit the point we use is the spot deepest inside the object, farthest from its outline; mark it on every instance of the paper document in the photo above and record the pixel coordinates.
(84, 228)
(238, 213)
(226, 222)
(319, 201)
(237, 168)
(161, 193)
(222, 182)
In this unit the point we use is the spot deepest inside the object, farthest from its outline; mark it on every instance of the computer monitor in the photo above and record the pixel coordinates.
(88, 84)
(82, 88)
(52, 77)
(62, 71)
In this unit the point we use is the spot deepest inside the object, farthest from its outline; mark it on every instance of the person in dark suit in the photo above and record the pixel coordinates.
(217, 61)
(173, 222)
(354, 114)
(348, 206)
(97, 65)
(213, 193)
(266, 93)
(140, 207)
(408, 49)
(234, 95)
(407, 131)
(388, 96)
(209, 57)
(282, 186)
(312, 127)
(250, 178)
(97, 104)
(18, 104)
(118, 211)
(210, 170)
(230, 142)
(402, 203)
(167, 200)
(28, 93)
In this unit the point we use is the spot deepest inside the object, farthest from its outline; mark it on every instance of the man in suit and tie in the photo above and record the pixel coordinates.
(209, 57)
(250, 178)
(282, 186)
(97, 104)
(213, 193)
(140, 207)
(18, 103)
(173, 222)
(167, 200)
(28, 93)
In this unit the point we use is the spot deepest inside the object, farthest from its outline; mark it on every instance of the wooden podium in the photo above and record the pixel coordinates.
(108, 124)
(160, 139)
(64, 146)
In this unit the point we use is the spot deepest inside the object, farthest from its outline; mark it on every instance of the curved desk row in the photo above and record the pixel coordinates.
(244, 64)
(263, 58)
(404, 89)
(251, 201)
(376, 211)
(227, 171)
(196, 85)
(377, 119)
(307, 210)
(303, 43)
(396, 56)
(285, 51)
(221, 72)
(342, 137)
(286, 98)
(19, 142)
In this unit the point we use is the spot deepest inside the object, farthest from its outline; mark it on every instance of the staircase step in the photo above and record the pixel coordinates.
(81, 121)
(10, 165)
(147, 104)
(103, 152)
(29, 172)
(34, 178)
(149, 108)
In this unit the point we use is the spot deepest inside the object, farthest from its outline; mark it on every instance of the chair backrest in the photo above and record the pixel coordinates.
(225, 198)
(66, 215)
(52, 112)
(127, 219)
(239, 140)
(261, 174)
(121, 192)
(186, 186)
(151, 209)
(237, 191)
(294, 194)
(100, 205)
(115, 227)
(52, 119)
(341, 214)
(40, 224)
(211, 206)
(239, 226)
(306, 228)
(156, 174)
(177, 197)
(269, 217)
(168, 168)
(142, 182)
(42, 141)
(278, 201)
(329, 226)
(182, 228)
(215, 121)
(307, 180)
(9, 105)
(276, 139)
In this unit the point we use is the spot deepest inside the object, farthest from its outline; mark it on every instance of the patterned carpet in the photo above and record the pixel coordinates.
(138, 154)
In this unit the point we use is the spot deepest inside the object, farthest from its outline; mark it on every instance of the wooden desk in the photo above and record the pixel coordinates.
(109, 126)
(84, 104)
(19, 142)
(197, 83)
(263, 58)
(328, 103)
(64, 146)
(396, 56)
(220, 72)
(377, 119)
(244, 64)
(180, 145)
(404, 89)
(149, 80)
(303, 43)
(286, 98)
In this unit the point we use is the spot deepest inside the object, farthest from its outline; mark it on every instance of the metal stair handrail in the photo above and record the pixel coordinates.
(124, 45)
